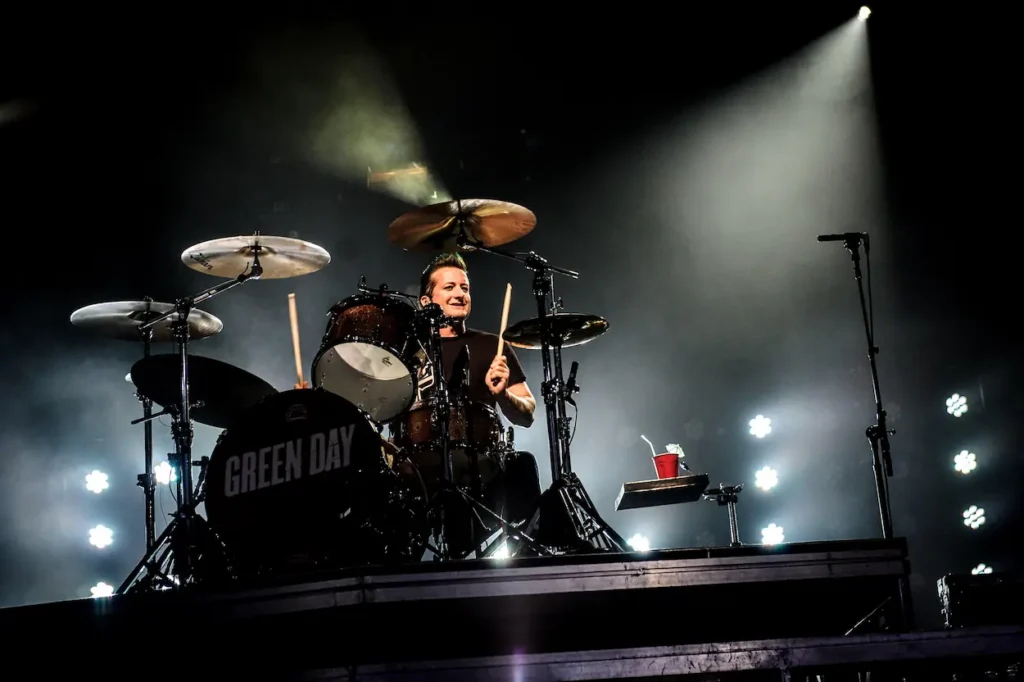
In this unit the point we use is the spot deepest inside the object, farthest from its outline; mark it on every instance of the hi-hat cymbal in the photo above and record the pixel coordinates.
(281, 257)
(574, 329)
(225, 390)
(122, 319)
(483, 222)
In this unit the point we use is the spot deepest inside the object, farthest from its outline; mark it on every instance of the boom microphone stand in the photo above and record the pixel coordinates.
(877, 433)
(181, 529)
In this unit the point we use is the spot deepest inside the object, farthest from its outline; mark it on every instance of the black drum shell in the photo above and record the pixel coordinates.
(301, 516)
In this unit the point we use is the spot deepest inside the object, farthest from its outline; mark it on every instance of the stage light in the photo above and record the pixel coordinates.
(164, 473)
(101, 536)
(772, 535)
(500, 553)
(101, 589)
(639, 543)
(766, 478)
(760, 426)
(956, 405)
(96, 482)
(981, 569)
(974, 517)
(965, 462)
(864, 13)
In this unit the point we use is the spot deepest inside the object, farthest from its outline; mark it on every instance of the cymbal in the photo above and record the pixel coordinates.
(226, 391)
(281, 257)
(575, 329)
(483, 222)
(122, 319)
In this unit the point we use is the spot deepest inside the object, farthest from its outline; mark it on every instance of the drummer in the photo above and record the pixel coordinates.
(496, 381)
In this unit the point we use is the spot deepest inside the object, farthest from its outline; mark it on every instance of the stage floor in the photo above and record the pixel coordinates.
(562, 618)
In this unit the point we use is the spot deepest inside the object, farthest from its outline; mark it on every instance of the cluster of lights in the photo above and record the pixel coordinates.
(964, 463)
(766, 478)
(99, 536)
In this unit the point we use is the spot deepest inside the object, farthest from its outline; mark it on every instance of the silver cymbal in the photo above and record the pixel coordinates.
(281, 257)
(122, 319)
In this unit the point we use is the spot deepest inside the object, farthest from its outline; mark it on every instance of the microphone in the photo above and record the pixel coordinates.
(570, 384)
(844, 237)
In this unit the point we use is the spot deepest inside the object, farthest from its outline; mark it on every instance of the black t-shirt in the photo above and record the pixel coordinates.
(481, 348)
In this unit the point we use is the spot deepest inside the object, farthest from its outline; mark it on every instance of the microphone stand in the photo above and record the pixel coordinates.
(879, 432)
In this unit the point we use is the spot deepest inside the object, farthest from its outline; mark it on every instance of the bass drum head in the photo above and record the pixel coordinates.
(299, 482)
(372, 378)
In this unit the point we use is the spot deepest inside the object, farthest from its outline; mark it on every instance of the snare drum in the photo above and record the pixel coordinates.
(475, 433)
(299, 481)
(368, 355)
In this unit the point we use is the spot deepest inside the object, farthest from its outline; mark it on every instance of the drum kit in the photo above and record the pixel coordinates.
(304, 479)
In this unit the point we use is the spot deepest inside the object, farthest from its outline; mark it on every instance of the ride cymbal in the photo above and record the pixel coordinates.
(225, 390)
(280, 257)
(122, 319)
(574, 329)
(482, 222)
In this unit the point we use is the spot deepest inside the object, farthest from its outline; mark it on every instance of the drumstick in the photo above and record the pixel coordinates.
(504, 319)
(295, 335)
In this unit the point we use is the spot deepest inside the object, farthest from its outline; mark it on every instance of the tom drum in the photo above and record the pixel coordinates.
(368, 355)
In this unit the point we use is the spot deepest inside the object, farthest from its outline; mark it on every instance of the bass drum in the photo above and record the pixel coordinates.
(300, 482)
(368, 355)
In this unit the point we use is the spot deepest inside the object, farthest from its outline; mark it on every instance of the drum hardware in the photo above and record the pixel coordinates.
(727, 496)
(551, 332)
(123, 320)
(182, 433)
(281, 257)
(158, 569)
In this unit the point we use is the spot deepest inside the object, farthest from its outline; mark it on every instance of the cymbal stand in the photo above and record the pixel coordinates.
(181, 527)
(588, 525)
(146, 480)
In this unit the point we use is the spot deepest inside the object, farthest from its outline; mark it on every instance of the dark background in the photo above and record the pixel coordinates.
(136, 138)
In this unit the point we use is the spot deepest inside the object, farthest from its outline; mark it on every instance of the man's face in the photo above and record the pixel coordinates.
(451, 292)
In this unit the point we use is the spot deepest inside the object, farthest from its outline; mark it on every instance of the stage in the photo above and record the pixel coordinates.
(607, 616)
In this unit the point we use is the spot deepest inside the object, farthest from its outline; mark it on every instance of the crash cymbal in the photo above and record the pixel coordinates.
(574, 329)
(281, 257)
(122, 319)
(226, 390)
(483, 222)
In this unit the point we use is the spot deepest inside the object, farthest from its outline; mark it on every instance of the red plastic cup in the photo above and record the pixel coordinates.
(667, 465)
